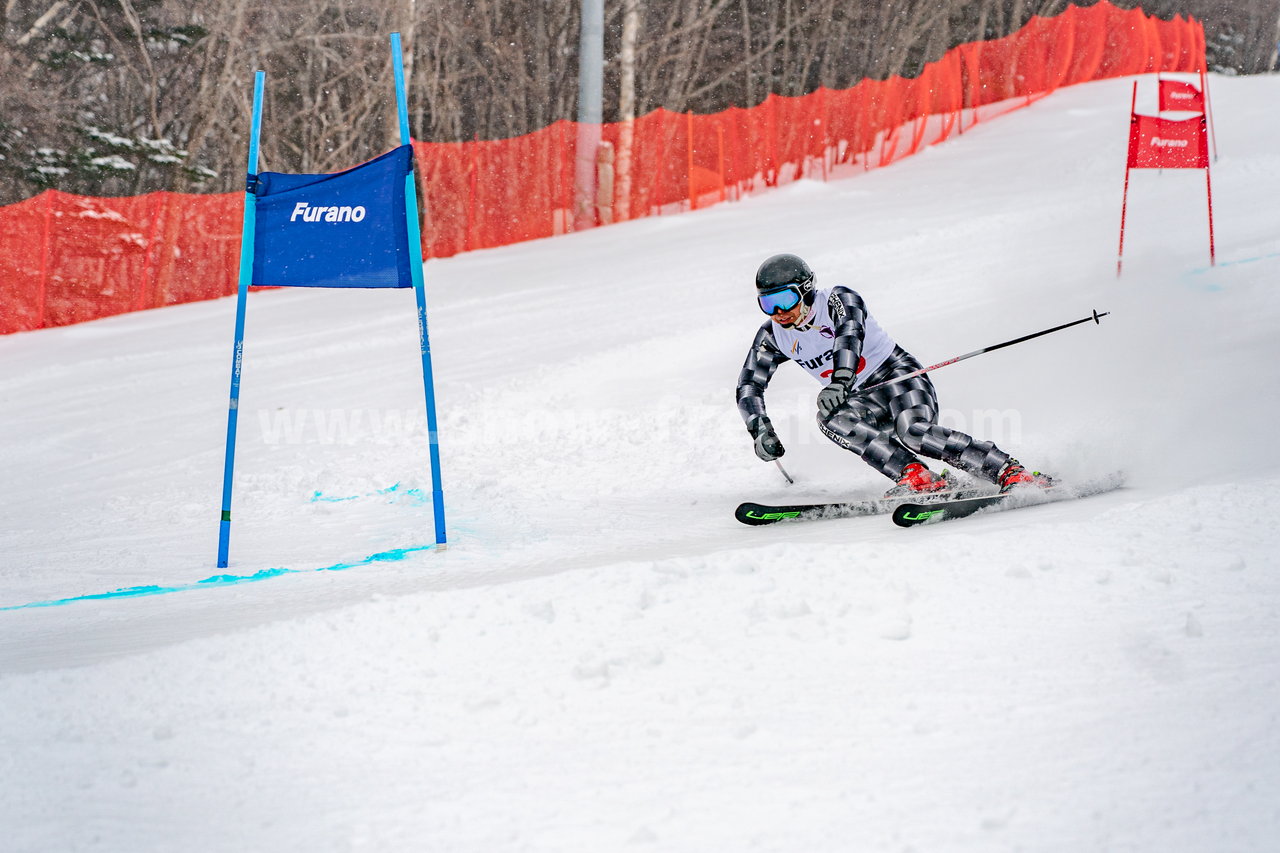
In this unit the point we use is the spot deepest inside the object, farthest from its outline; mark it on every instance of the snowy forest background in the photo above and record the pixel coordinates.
(122, 97)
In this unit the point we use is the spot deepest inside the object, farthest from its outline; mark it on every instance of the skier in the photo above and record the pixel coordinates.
(831, 334)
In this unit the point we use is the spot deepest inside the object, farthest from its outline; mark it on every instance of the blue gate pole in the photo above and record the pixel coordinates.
(415, 264)
(237, 359)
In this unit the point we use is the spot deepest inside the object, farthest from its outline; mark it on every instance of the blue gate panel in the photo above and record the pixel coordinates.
(345, 229)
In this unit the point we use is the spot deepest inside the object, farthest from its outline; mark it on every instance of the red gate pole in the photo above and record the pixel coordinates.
(1209, 194)
(1208, 109)
(1124, 204)
(1208, 190)
(1123, 209)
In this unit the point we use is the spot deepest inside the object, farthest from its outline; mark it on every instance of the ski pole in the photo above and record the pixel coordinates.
(1095, 317)
(790, 482)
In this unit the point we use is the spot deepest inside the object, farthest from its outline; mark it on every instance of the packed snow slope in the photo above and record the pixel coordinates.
(604, 659)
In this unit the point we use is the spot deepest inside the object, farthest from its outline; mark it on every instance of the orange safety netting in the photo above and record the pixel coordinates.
(67, 258)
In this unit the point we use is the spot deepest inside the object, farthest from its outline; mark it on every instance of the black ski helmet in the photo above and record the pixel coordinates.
(785, 270)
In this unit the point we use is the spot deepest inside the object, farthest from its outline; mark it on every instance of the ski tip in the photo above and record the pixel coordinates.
(757, 514)
(913, 515)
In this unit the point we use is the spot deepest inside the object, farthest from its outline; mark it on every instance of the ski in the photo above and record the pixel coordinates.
(757, 514)
(915, 514)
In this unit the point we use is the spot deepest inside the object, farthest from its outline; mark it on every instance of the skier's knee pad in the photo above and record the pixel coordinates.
(845, 417)
(849, 427)
(911, 426)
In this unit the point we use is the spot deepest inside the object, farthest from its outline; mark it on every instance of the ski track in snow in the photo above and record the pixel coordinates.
(604, 659)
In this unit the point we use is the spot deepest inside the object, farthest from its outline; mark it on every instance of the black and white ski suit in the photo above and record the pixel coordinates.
(889, 427)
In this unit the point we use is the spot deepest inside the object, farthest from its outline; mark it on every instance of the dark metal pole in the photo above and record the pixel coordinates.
(1095, 317)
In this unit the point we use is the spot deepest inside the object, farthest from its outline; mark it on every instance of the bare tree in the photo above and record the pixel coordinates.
(626, 105)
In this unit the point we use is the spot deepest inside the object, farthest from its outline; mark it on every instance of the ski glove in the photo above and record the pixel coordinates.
(830, 398)
(768, 445)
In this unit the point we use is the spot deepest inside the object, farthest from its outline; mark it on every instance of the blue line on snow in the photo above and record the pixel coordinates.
(224, 580)
(1241, 262)
(321, 496)
(418, 496)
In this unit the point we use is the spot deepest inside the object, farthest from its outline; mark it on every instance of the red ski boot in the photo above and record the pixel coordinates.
(1013, 475)
(917, 481)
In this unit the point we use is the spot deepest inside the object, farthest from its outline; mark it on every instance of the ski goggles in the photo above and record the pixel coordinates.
(779, 300)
